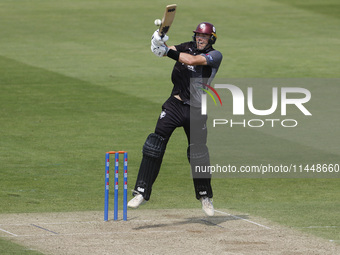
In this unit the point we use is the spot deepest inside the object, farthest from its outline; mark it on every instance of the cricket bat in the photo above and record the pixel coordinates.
(168, 18)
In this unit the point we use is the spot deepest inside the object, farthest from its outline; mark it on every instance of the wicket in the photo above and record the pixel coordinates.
(106, 198)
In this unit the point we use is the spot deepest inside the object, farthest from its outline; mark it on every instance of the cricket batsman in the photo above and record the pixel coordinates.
(196, 64)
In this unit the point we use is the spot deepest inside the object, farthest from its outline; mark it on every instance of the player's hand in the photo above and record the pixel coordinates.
(157, 40)
(159, 50)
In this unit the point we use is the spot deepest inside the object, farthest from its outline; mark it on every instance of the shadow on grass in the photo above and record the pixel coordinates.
(214, 221)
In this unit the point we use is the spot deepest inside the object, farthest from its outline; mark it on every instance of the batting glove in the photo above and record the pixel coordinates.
(157, 40)
(159, 50)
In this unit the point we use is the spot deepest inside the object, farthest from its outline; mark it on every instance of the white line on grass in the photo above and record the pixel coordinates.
(240, 218)
(8, 232)
(99, 233)
(321, 227)
(51, 223)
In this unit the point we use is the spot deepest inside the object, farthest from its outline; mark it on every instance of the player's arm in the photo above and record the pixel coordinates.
(159, 48)
(186, 58)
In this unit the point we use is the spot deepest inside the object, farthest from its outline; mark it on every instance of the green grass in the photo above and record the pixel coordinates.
(9, 248)
(77, 78)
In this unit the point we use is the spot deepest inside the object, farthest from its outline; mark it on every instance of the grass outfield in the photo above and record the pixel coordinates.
(77, 79)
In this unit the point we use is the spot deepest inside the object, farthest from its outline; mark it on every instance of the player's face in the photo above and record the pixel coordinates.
(202, 40)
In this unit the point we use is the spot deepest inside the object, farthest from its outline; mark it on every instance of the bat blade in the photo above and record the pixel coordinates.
(168, 18)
